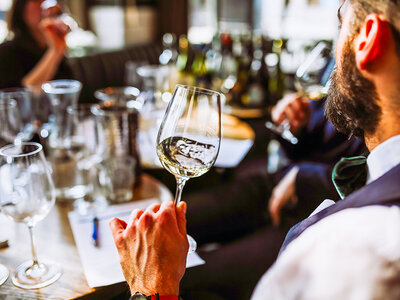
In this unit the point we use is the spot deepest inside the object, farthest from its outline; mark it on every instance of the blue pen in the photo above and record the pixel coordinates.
(95, 234)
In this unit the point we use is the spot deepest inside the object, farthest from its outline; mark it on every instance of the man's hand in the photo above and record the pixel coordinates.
(294, 109)
(284, 193)
(153, 247)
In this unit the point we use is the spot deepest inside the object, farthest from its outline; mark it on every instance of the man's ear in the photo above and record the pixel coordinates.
(373, 40)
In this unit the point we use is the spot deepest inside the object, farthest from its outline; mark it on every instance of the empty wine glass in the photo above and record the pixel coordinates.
(310, 83)
(16, 115)
(189, 138)
(26, 195)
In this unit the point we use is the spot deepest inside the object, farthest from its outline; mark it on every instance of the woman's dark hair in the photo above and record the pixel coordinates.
(15, 19)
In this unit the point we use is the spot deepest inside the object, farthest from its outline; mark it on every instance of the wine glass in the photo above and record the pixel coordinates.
(311, 82)
(26, 195)
(16, 115)
(189, 138)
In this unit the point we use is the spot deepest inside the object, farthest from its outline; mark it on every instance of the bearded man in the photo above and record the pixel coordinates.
(348, 250)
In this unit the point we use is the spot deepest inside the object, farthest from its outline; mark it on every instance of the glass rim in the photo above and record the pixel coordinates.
(196, 89)
(100, 110)
(39, 148)
(14, 90)
(104, 94)
(51, 87)
(80, 108)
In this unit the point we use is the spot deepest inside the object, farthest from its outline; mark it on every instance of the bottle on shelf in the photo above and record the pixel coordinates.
(272, 60)
(185, 76)
(256, 93)
(228, 70)
(199, 67)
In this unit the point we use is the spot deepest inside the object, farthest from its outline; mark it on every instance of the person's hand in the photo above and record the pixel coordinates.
(283, 194)
(153, 247)
(55, 31)
(294, 109)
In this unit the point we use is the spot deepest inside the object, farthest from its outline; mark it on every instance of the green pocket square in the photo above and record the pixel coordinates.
(349, 174)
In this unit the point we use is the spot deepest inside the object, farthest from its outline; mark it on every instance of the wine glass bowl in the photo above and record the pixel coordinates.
(16, 115)
(27, 195)
(308, 77)
(189, 137)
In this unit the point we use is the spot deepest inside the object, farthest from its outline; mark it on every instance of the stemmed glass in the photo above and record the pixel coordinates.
(16, 115)
(26, 195)
(189, 138)
(309, 83)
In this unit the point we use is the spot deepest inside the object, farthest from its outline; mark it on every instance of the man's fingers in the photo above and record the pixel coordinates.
(154, 208)
(117, 227)
(274, 211)
(181, 217)
(135, 215)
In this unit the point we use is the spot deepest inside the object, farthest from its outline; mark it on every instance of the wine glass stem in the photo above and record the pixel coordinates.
(180, 183)
(34, 256)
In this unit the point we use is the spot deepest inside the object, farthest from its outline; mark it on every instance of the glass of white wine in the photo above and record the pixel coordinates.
(26, 195)
(189, 138)
(309, 83)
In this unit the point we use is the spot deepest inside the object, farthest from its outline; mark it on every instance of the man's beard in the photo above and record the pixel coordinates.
(352, 104)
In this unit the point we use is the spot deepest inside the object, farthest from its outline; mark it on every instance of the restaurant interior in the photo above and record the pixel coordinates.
(111, 106)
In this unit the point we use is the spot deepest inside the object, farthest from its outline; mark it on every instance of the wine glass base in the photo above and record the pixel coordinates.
(3, 274)
(34, 278)
(192, 244)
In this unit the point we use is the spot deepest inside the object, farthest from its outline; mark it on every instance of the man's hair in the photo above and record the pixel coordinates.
(389, 9)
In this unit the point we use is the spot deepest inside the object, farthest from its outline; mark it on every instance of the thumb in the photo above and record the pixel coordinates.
(181, 217)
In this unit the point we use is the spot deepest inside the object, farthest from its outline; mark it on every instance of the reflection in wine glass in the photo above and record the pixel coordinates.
(26, 195)
(309, 84)
(189, 138)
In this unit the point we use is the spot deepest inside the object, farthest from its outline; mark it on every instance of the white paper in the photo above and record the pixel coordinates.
(232, 152)
(101, 264)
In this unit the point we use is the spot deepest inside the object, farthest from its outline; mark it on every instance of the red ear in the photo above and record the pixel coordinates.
(372, 41)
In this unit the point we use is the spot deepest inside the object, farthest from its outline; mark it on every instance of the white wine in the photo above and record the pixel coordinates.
(316, 92)
(185, 157)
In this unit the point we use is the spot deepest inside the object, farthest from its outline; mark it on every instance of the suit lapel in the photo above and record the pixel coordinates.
(383, 191)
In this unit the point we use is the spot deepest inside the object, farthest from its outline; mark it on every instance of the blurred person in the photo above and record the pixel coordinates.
(348, 250)
(35, 54)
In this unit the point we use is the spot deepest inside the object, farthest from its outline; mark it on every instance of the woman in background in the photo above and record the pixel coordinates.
(35, 54)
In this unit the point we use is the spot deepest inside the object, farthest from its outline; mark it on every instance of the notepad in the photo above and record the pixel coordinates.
(101, 264)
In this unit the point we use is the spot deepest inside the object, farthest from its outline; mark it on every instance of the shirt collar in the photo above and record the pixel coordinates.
(383, 158)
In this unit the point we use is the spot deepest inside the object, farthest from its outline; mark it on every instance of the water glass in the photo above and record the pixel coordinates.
(73, 157)
(62, 94)
(117, 178)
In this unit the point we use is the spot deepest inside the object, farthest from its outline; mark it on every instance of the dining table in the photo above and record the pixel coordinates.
(55, 242)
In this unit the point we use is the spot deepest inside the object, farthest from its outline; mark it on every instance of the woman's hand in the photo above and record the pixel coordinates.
(55, 32)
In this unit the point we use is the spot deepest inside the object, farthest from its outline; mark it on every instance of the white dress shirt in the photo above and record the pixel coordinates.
(352, 254)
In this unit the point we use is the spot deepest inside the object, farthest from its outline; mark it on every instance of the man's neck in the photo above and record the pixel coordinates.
(388, 127)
